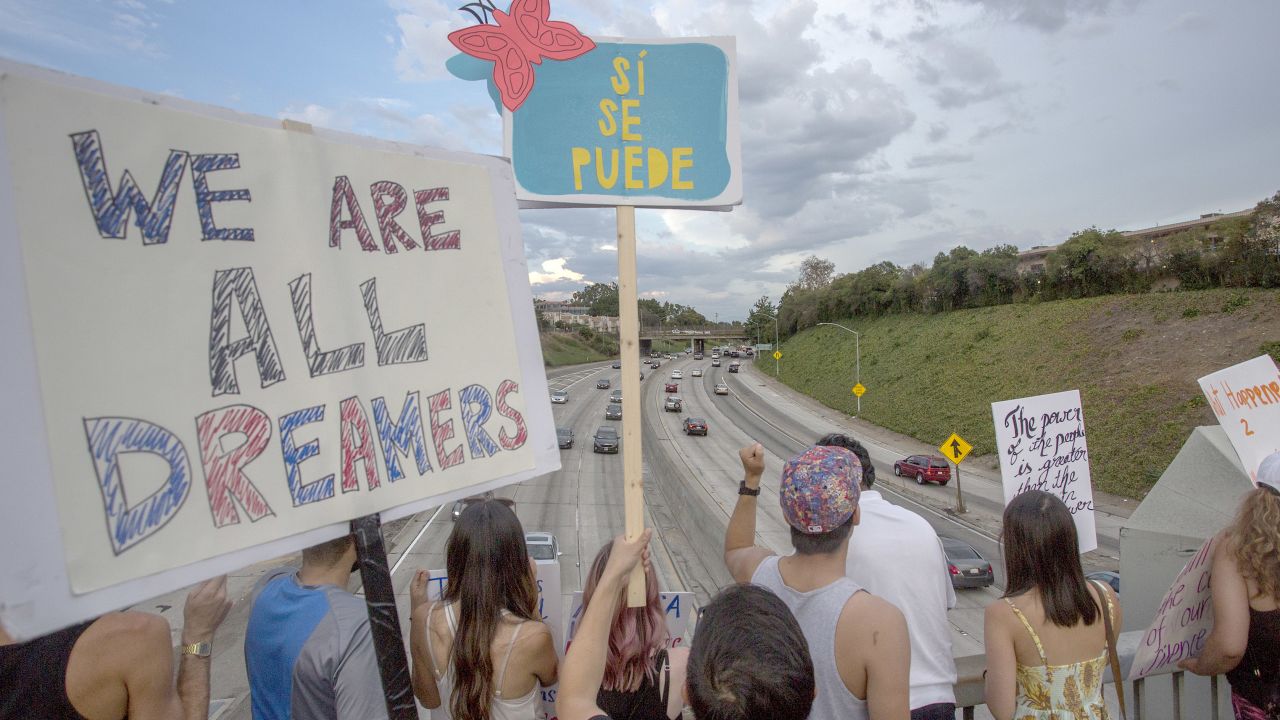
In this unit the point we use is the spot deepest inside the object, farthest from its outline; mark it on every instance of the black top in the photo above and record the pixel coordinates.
(643, 703)
(34, 677)
(1257, 677)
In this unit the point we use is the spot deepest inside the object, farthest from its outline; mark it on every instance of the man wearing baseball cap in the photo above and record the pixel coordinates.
(858, 642)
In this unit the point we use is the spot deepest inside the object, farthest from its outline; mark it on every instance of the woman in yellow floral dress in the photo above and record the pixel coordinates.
(1046, 638)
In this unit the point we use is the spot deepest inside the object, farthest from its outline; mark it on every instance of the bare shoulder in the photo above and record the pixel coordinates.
(998, 611)
(866, 615)
(129, 631)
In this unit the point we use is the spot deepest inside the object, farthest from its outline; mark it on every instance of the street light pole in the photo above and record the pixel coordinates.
(776, 349)
(857, 355)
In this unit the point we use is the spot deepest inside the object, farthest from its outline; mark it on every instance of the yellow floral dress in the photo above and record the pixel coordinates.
(1060, 692)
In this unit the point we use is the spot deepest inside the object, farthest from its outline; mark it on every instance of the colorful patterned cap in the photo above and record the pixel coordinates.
(1269, 471)
(819, 490)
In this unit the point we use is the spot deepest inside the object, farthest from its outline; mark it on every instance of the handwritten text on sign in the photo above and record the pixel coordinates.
(1183, 621)
(244, 333)
(1246, 400)
(1041, 444)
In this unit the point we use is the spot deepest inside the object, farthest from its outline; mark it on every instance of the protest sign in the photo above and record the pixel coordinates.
(225, 340)
(1183, 621)
(678, 607)
(1246, 400)
(1041, 444)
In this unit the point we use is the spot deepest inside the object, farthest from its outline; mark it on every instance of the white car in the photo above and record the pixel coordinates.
(559, 397)
(722, 389)
(542, 546)
(677, 375)
(697, 372)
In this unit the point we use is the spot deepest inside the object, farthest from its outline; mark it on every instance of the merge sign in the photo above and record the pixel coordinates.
(649, 123)
(955, 448)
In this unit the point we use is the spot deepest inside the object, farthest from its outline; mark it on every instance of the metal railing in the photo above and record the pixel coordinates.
(1140, 695)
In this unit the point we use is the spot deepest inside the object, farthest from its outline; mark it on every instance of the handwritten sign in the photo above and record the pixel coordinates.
(678, 607)
(1041, 444)
(1183, 621)
(240, 334)
(1246, 400)
(633, 122)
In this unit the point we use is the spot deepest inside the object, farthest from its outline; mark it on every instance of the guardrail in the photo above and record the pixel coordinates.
(1140, 695)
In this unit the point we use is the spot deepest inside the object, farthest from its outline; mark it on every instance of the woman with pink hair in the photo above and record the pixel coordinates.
(639, 670)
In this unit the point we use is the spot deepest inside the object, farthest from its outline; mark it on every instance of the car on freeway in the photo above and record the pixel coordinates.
(697, 356)
(671, 388)
(722, 389)
(616, 397)
(695, 426)
(466, 502)
(696, 372)
(673, 404)
(715, 362)
(565, 436)
(1109, 577)
(559, 397)
(733, 367)
(967, 567)
(924, 468)
(605, 440)
(656, 364)
(613, 411)
(542, 546)
(677, 375)
(603, 384)
(617, 365)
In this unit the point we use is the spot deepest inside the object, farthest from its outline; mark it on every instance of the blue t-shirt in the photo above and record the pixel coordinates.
(309, 653)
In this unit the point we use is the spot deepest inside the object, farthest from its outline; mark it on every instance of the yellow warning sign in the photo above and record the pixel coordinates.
(955, 448)
(859, 389)
(777, 354)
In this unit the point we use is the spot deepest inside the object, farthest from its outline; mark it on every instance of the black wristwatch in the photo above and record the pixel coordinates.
(744, 490)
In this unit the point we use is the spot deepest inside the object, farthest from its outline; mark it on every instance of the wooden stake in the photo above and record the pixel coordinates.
(629, 347)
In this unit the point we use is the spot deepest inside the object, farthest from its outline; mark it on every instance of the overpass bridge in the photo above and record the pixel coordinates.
(697, 337)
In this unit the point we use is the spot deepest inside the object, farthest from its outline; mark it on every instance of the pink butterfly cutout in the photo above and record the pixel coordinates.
(519, 41)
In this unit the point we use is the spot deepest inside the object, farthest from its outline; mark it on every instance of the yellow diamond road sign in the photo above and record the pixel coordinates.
(859, 389)
(955, 448)
(777, 354)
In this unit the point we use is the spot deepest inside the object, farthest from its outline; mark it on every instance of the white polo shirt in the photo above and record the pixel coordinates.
(895, 554)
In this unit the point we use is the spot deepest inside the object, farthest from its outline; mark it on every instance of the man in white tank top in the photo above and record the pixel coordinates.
(859, 642)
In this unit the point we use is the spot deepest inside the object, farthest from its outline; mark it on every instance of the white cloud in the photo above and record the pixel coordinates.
(424, 43)
(554, 271)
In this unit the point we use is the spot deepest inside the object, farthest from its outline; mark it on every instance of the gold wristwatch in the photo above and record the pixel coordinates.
(199, 649)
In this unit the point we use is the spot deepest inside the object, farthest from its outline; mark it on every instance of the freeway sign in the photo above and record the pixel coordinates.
(955, 448)
(859, 389)
(777, 354)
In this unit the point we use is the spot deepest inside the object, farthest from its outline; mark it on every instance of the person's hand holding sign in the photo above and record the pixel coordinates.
(418, 589)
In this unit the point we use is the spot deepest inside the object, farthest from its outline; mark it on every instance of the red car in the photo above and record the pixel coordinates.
(672, 387)
(695, 426)
(924, 468)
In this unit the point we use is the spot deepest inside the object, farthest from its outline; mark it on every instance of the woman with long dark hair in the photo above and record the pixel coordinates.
(639, 669)
(1245, 583)
(481, 653)
(1047, 639)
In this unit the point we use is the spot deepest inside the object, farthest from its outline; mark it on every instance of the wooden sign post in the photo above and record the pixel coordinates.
(632, 436)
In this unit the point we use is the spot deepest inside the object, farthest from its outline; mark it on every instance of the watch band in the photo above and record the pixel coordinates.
(200, 649)
(744, 490)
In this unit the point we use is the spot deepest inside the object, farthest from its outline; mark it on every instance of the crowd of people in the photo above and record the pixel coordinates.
(851, 624)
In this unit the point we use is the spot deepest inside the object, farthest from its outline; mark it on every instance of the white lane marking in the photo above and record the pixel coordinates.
(409, 549)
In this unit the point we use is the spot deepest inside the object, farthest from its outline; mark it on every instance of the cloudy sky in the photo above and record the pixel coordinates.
(872, 130)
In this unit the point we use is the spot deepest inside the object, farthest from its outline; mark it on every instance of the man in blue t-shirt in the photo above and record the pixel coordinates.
(308, 648)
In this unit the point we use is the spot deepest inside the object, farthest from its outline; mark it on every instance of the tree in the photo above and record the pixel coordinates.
(815, 273)
(761, 318)
(599, 299)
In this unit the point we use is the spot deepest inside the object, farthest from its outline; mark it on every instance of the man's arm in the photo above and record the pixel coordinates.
(1226, 643)
(1001, 679)
(584, 663)
(886, 651)
(741, 555)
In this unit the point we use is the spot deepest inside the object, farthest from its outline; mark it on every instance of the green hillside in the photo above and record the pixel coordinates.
(1134, 358)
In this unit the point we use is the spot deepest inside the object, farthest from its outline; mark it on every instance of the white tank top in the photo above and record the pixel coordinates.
(528, 707)
(818, 611)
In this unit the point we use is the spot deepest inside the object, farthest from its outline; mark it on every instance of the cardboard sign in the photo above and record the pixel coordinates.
(1246, 400)
(650, 123)
(1041, 444)
(678, 606)
(1183, 621)
(225, 339)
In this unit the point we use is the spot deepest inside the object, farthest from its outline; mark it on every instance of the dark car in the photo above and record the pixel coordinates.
(1107, 576)
(924, 468)
(617, 365)
(673, 404)
(605, 440)
(565, 436)
(697, 356)
(695, 426)
(656, 364)
(968, 569)
(616, 397)
(464, 503)
(613, 411)
(603, 384)
(733, 367)
(671, 387)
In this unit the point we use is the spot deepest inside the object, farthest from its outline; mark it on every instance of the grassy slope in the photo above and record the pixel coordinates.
(567, 348)
(1134, 358)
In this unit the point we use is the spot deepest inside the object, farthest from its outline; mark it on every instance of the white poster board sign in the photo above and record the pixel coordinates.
(1183, 621)
(225, 339)
(1041, 444)
(678, 607)
(1246, 400)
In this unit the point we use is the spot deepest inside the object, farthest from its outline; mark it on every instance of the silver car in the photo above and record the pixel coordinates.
(542, 545)
(559, 397)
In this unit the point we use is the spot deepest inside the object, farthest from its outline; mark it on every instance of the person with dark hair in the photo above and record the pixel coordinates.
(858, 642)
(481, 652)
(1046, 639)
(308, 647)
(899, 557)
(639, 669)
(115, 667)
(749, 657)
(1245, 583)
